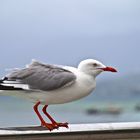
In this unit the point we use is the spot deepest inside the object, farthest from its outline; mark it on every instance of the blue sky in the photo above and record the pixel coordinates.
(67, 31)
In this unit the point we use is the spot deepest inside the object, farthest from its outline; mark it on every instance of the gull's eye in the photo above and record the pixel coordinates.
(95, 64)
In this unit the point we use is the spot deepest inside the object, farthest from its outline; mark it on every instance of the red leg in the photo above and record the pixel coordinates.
(43, 123)
(52, 120)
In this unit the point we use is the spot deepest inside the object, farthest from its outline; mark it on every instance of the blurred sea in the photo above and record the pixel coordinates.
(17, 112)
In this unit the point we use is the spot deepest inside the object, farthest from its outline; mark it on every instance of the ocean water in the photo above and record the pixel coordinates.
(17, 112)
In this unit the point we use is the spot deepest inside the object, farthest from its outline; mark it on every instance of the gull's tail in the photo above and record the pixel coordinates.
(7, 86)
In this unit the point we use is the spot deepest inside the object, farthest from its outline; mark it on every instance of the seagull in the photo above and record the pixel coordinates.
(47, 84)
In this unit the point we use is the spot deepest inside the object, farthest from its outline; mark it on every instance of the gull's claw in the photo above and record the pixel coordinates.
(49, 126)
(61, 124)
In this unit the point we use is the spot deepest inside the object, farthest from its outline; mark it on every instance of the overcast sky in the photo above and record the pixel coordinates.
(67, 31)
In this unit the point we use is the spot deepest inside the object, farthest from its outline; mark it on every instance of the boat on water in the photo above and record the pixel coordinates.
(111, 110)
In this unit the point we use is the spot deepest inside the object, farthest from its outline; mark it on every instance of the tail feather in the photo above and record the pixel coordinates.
(5, 87)
(2, 87)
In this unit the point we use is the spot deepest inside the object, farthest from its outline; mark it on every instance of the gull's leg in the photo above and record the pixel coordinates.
(56, 124)
(43, 123)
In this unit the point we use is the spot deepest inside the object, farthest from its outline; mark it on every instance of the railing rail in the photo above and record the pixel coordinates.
(99, 131)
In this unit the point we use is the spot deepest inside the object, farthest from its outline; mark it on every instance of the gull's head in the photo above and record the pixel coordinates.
(94, 67)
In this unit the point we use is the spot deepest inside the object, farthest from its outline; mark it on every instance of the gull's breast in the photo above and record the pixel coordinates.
(82, 87)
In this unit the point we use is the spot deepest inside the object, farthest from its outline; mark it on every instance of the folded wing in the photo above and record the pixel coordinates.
(42, 76)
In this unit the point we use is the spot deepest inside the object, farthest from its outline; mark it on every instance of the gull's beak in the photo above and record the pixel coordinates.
(109, 69)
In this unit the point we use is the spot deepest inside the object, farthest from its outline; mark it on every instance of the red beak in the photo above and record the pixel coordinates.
(109, 69)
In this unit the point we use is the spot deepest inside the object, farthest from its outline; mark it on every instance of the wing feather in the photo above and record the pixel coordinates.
(43, 76)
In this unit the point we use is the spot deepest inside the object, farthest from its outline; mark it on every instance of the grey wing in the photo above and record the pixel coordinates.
(43, 76)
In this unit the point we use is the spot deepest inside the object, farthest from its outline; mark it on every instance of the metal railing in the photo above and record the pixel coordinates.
(97, 131)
